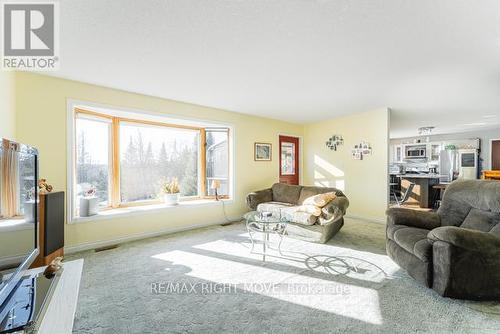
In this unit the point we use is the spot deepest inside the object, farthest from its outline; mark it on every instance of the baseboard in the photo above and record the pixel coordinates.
(116, 241)
(367, 219)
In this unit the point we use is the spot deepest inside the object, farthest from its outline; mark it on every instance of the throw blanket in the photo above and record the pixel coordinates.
(320, 200)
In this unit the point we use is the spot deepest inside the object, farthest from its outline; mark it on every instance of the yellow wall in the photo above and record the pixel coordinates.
(7, 110)
(365, 181)
(15, 244)
(41, 117)
(41, 121)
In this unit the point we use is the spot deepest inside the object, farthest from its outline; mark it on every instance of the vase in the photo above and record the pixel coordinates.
(171, 199)
(89, 206)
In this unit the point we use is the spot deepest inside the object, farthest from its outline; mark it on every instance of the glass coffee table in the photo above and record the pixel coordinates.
(266, 223)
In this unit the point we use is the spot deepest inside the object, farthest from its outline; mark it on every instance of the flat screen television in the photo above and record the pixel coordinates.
(18, 215)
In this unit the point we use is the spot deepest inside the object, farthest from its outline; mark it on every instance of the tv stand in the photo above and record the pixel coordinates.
(27, 303)
(49, 305)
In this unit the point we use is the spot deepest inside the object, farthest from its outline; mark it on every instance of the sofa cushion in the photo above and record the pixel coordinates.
(392, 228)
(481, 220)
(414, 241)
(274, 207)
(314, 233)
(320, 200)
(286, 193)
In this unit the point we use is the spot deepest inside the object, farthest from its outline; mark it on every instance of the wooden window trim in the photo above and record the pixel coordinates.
(203, 162)
(115, 198)
(229, 150)
(131, 120)
(115, 172)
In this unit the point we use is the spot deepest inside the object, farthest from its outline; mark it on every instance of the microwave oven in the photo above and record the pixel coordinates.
(415, 152)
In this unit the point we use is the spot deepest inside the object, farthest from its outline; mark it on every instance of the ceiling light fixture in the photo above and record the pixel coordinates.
(425, 130)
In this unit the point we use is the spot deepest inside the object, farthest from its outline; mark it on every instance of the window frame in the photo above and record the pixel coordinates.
(227, 131)
(114, 164)
(110, 157)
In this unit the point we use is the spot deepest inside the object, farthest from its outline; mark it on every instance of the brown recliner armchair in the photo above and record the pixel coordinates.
(455, 251)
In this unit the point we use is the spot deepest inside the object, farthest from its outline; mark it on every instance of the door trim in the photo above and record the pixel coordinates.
(301, 153)
(491, 152)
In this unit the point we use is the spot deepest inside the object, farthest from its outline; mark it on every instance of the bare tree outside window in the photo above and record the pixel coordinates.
(152, 154)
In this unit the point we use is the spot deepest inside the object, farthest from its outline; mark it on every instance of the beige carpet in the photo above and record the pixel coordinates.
(206, 281)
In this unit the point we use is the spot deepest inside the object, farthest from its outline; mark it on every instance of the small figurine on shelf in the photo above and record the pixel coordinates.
(44, 187)
(91, 192)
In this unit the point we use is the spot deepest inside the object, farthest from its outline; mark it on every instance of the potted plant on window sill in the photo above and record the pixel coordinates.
(171, 191)
(89, 203)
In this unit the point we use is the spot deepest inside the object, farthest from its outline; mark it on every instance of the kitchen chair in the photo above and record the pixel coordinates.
(406, 195)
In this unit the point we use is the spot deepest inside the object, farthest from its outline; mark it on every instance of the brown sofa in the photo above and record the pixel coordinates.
(285, 198)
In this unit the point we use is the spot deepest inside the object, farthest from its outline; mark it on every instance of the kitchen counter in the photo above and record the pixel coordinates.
(423, 192)
(421, 176)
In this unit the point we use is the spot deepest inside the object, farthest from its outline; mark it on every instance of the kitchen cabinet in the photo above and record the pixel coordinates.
(434, 151)
(396, 153)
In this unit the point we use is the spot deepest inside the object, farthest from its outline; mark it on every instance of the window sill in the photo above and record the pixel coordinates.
(155, 208)
(15, 225)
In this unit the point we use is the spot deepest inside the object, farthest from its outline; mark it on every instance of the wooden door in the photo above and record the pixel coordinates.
(495, 155)
(289, 160)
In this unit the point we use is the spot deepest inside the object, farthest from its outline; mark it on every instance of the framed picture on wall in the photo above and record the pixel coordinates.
(262, 151)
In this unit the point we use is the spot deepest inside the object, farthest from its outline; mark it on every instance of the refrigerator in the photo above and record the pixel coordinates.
(462, 164)
(468, 160)
(447, 165)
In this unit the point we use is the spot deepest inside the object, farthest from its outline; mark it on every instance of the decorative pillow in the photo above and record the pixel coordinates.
(310, 209)
(320, 200)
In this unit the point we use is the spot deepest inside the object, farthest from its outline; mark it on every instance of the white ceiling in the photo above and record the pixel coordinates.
(433, 62)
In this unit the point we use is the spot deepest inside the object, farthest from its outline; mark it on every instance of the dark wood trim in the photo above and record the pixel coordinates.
(495, 154)
(293, 178)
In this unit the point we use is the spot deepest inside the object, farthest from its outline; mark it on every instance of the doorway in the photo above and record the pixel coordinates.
(289, 159)
(495, 154)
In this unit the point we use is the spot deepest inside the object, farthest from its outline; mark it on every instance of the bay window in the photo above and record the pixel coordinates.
(93, 159)
(124, 162)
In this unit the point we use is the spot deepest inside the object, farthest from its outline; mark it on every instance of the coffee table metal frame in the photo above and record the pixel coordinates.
(267, 225)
